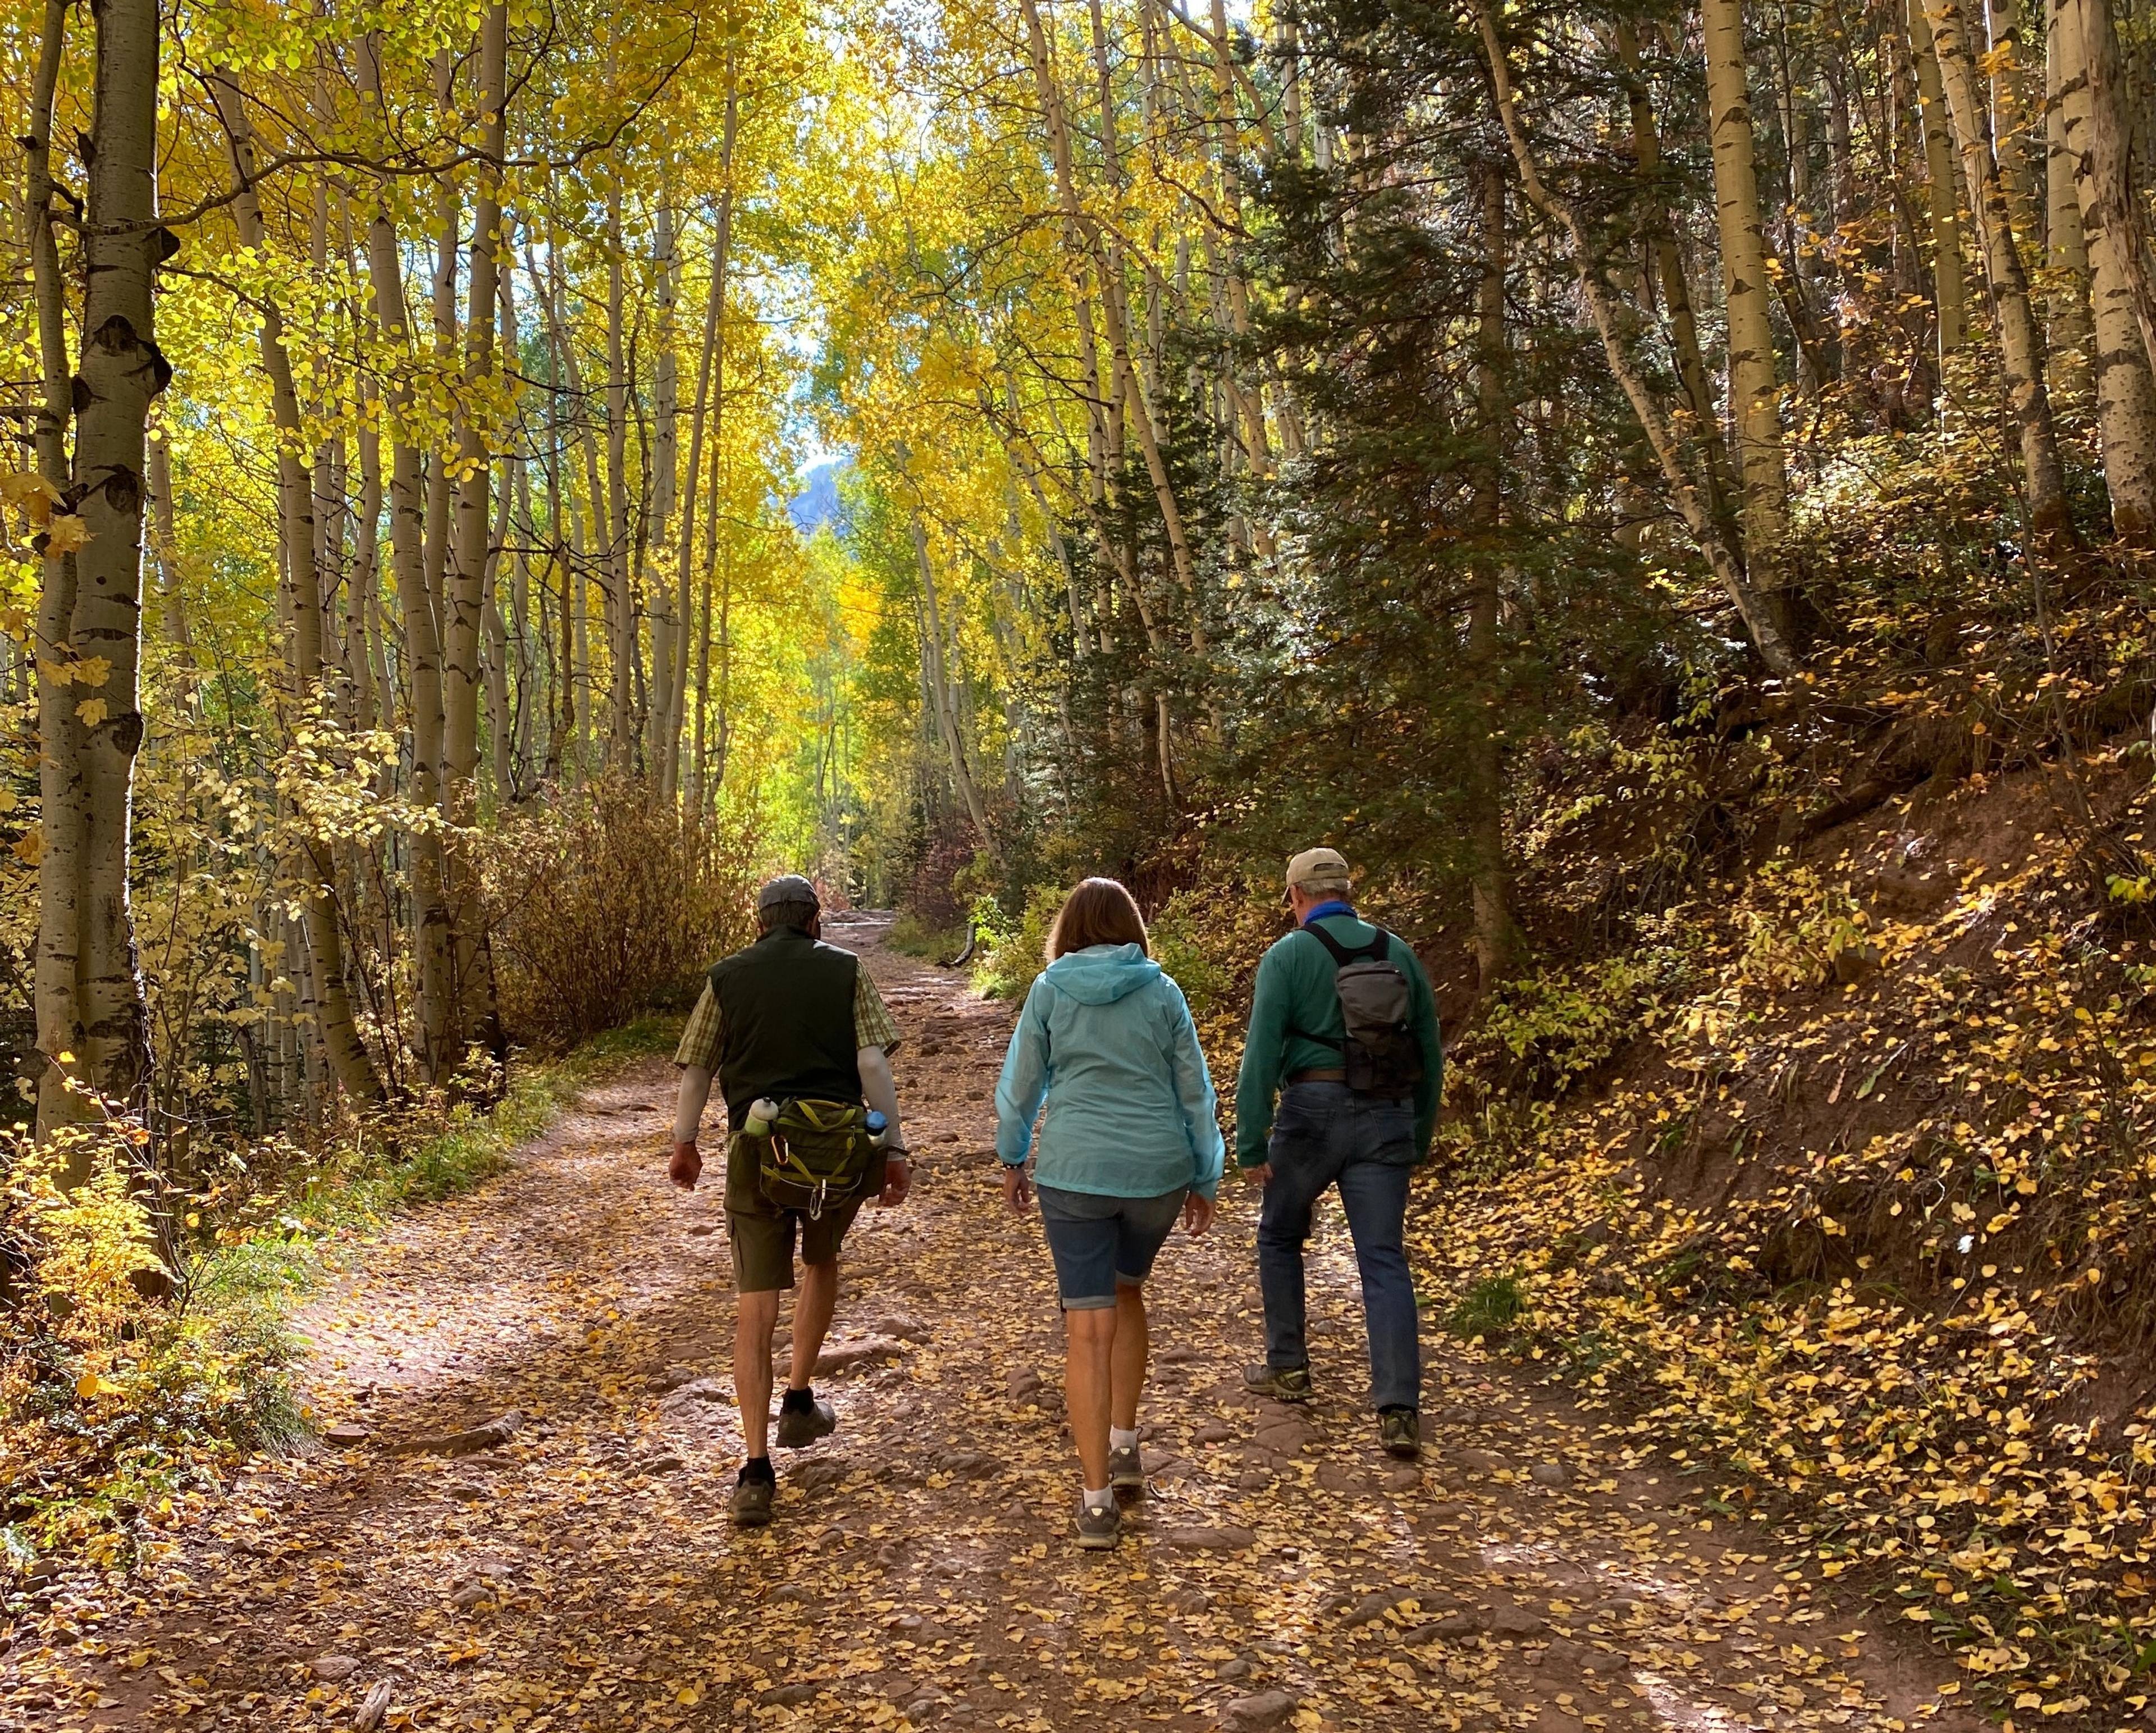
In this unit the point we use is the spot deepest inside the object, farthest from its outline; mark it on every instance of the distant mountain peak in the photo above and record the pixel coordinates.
(817, 503)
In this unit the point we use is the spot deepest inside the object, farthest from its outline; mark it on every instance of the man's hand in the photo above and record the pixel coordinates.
(1018, 1190)
(685, 1165)
(897, 1181)
(1260, 1175)
(1197, 1214)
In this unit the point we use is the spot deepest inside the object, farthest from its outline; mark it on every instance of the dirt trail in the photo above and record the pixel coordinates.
(584, 1575)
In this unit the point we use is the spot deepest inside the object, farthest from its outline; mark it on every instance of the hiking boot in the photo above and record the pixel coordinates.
(1099, 1528)
(1125, 1473)
(1283, 1384)
(801, 1424)
(752, 1495)
(1399, 1430)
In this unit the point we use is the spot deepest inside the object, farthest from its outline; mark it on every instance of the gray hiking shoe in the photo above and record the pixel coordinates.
(753, 1496)
(1099, 1530)
(799, 1427)
(1283, 1384)
(1125, 1473)
(1399, 1430)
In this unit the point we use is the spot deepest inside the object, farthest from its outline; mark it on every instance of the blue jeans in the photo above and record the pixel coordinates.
(1327, 1135)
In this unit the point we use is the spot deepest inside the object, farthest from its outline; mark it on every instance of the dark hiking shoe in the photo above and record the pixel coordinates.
(1283, 1384)
(801, 1424)
(1098, 1530)
(752, 1495)
(1125, 1472)
(1399, 1430)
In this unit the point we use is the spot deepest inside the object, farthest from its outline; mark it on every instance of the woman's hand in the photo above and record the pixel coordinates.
(1018, 1190)
(1197, 1214)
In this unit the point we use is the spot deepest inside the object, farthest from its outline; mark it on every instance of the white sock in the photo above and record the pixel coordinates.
(1118, 1439)
(1100, 1500)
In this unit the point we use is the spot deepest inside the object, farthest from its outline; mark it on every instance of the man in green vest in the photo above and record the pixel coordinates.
(790, 1019)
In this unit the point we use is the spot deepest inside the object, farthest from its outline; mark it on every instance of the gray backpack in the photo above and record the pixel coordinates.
(1381, 1055)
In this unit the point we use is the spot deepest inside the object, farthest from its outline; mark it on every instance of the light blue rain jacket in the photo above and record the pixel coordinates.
(1106, 1039)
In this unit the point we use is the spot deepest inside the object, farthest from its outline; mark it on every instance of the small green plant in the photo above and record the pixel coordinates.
(1017, 950)
(1490, 1308)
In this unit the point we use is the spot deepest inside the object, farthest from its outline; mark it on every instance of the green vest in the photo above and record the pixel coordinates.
(786, 1022)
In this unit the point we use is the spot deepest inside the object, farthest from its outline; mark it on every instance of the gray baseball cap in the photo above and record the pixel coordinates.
(788, 887)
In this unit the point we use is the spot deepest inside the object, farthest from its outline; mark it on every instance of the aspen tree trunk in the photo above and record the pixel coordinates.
(933, 649)
(706, 778)
(472, 582)
(172, 600)
(56, 980)
(1489, 884)
(1127, 393)
(711, 366)
(1702, 424)
(1755, 402)
(2008, 65)
(438, 1033)
(500, 728)
(2125, 387)
(1759, 620)
(120, 372)
(660, 754)
(623, 620)
(2070, 338)
(370, 697)
(523, 672)
(2020, 347)
(441, 491)
(1250, 398)
(2110, 202)
(326, 999)
(1949, 290)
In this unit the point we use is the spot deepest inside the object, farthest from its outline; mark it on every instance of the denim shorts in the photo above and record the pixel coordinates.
(1097, 1241)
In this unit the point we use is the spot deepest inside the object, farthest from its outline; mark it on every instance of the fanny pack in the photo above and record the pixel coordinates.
(816, 1154)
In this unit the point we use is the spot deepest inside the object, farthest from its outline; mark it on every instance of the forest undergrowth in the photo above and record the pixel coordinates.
(150, 1350)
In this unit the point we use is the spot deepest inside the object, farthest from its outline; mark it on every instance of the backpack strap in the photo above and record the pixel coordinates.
(1342, 956)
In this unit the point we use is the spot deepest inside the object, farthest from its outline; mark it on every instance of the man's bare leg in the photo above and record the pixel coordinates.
(814, 1301)
(756, 1317)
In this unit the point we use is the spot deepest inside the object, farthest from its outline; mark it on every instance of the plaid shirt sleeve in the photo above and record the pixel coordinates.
(873, 1026)
(700, 1039)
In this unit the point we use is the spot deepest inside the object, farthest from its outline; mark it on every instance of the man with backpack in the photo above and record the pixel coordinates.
(799, 1040)
(1344, 1029)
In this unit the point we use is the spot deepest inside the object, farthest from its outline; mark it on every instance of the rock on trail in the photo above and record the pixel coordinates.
(569, 1563)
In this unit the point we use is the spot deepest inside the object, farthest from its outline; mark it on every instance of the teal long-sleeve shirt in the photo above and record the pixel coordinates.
(1295, 991)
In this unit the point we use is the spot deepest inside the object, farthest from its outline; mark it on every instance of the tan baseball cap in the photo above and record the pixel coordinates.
(1318, 869)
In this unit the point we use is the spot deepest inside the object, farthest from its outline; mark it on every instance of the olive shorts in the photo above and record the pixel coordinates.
(762, 1235)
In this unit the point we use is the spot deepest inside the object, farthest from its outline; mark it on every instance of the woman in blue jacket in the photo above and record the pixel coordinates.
(1129, 1142)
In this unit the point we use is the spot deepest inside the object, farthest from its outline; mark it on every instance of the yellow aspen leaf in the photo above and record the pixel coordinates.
(31, 494)
(67, 533)
(30, 848)
(93, 670)
(91, 711)
(8, 800)
(57, 673)
(90, 1386)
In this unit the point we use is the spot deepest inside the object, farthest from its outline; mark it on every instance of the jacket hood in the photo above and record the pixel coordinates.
(1102, 975)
